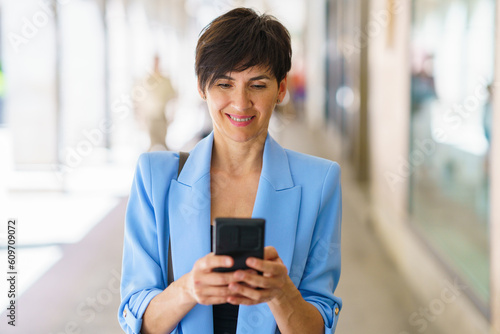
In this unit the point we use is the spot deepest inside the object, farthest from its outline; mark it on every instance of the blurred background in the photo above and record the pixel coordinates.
(401, 93)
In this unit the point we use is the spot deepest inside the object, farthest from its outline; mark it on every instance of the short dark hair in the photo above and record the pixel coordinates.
(241, 39)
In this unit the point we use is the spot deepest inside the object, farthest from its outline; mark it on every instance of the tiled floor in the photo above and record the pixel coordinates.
(79, 293)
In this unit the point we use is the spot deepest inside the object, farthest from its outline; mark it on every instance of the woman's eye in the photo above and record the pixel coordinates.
(259, 86)
(224, 85)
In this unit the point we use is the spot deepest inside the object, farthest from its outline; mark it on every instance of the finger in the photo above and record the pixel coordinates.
(272, 268)
(253, 294)
(249, 285)
(258, 281)
(241, 272)
(270, 253)
(211, 261)
(213, 295)
(251, 271)
(214, 279)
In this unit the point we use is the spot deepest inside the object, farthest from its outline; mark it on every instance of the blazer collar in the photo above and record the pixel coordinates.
(198, 163)
(275, 167)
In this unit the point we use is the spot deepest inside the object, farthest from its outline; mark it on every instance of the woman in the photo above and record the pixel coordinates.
(242, 60)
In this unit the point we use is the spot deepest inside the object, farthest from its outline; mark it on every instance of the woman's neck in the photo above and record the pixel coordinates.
(237, 158)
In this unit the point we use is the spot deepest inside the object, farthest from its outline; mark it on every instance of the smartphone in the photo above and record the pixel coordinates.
(239, 238)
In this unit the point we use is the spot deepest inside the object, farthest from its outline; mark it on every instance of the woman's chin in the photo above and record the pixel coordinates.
(242, 137)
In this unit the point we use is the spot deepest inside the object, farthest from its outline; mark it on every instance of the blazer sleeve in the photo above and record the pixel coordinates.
(142, 276)
(322, 271)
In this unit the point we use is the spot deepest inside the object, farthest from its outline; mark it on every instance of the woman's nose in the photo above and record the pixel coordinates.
(241, 100)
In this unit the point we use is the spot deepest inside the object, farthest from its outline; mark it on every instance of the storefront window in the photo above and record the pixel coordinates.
(452, 76)
(345, 44)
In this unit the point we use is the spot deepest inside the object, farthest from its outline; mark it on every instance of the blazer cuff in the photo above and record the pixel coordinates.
(335, 319)
(330, 315)
(134, 319)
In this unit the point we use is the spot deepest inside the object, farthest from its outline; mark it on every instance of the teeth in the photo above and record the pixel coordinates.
(240, 119)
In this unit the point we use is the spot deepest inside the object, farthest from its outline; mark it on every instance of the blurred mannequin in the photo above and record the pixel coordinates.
(150, 109)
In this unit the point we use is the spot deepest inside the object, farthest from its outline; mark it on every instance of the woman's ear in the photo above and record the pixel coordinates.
(201, 92)
(282, 89)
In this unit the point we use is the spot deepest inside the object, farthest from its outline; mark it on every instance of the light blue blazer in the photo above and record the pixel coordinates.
(298, 195)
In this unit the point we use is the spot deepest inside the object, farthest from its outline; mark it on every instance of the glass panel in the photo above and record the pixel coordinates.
(345, 45)
(334, 74)
(452, 72)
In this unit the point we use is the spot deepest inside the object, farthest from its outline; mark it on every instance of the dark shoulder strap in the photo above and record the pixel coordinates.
(182, 160)
(170, 278)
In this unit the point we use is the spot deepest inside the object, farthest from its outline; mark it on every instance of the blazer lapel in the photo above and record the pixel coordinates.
(189, 221)
(277, 201)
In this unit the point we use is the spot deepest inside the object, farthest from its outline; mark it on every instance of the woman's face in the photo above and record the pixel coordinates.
(241, 103)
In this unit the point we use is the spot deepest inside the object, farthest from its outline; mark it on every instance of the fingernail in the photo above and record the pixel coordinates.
(228, 262)
(239, 275)
(251, 261)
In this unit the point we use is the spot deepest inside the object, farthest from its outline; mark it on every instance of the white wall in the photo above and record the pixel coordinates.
(29, 53)
(389, 117)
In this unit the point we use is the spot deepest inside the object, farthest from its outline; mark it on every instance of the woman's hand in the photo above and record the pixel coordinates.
(250, 288)
(207, 287)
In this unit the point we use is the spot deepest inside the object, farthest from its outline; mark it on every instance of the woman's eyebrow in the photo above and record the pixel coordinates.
(260, 77)
(223, 76)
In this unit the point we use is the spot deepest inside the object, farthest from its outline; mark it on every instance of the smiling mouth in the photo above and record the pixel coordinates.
(237, 119)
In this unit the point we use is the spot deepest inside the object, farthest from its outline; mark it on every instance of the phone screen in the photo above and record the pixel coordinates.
(239, 238)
